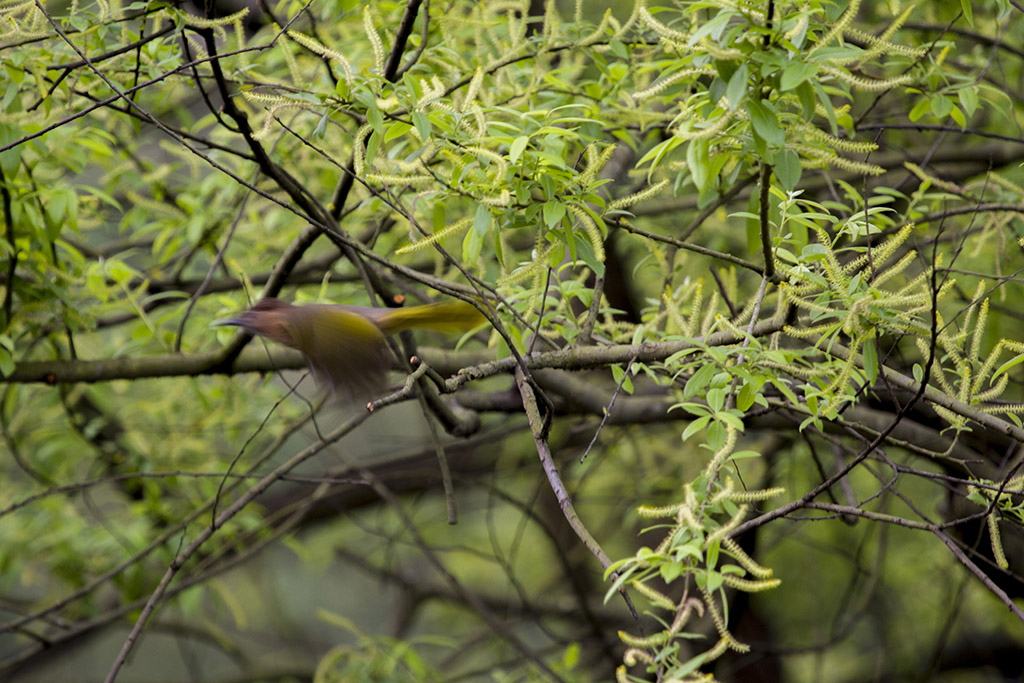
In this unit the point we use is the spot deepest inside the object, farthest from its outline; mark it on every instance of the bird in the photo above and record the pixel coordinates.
(344, 345)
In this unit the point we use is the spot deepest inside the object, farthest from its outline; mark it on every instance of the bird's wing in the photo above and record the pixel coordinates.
(345, 350)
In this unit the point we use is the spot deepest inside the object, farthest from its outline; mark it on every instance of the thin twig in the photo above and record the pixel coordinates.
(607, 411)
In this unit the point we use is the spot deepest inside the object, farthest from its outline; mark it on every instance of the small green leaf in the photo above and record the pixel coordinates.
(515, 150)
(695, 426)
(10, 159)
(119, 271)
(919, 109)
(372, 143)
(56, 210)
(396, 130)
(689, 666)
(712, 558)
(745, 398)
(765, 123)
(805, 93)
(712, 28)
(941, 105)
(572, 656)
(1002, 368)
(670, 571)
(737, 87)
(471, 246)
(321, 128)
(968, 12)
(795, 74)
(553, 213)
(698, 158)
(958, 116)
(968, 99)
(374, 117)
(698, 381)
(482, 220)
(618, 49)
(826, 102)
(788, 169)
(16, 75)
(422, 123)
(744, 455)
(6, 362)
(716, 399)
(655, 154)
(870, 355)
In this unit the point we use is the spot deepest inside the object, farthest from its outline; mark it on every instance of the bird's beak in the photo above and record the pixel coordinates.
(230, 322)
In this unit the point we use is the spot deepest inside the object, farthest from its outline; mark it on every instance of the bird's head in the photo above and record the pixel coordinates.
(267, 318)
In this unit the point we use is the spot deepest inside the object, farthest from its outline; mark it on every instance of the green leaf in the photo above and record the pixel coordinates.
(826, 102)
(119, 271)
(805, 93)
(695, 426)
(670, 571)
(517, 147)
(571, 657)
(553, 213)
(698, 381)
(396, 130)
(1002, 368)
(482, 220)
(795, 74)
(788, 169)
(372, 143)
(712, 559)
(737, 87)
(698, 159)
(715, 398)
(56, 209)
(10, 159)
(941, 105)
(919, 109)
(968, 12)
(870, 355)
(471, 246)
(618, 583)
(618, 49)
(958, 116)
(422, 123)
(622, 379)
(655, 154)
(730, 419)
(765, 123)
(745, 397)
(374, 117)
(968, 99)
(321, 128)
(712, 28)
(744, 455)
(499, 251)
(689, 666)
(6, 362)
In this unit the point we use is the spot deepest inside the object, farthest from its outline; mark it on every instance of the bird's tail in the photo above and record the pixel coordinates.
(447, 316)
